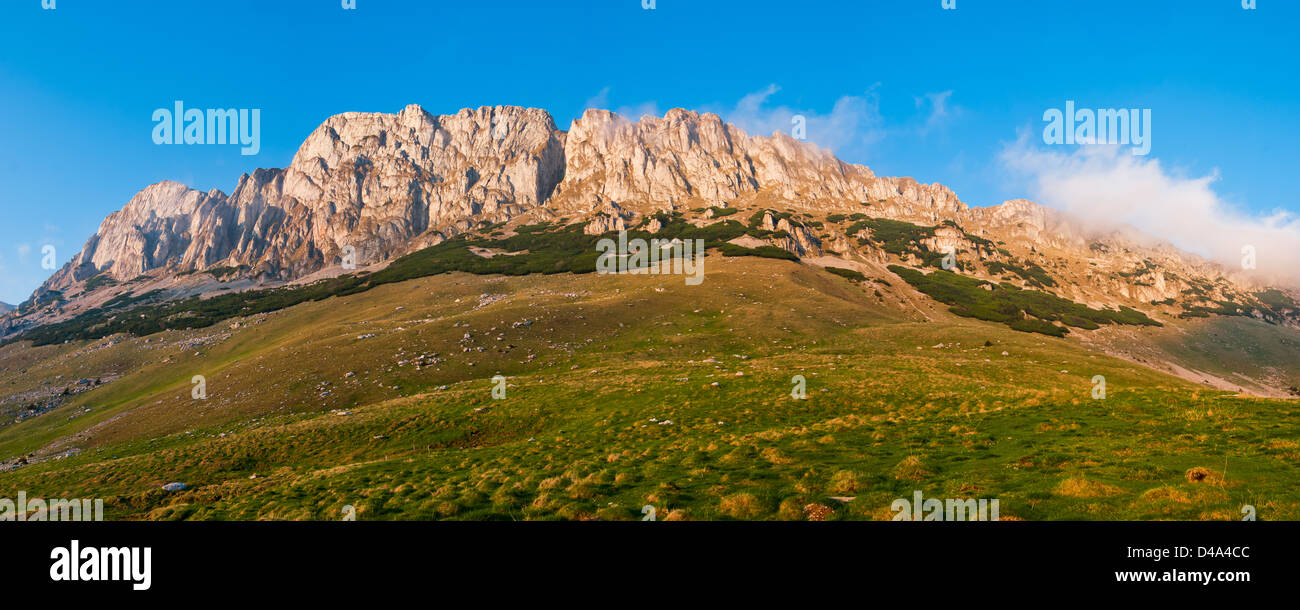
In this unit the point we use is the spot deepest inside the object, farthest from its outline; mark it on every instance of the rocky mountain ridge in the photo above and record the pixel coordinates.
(381, 185)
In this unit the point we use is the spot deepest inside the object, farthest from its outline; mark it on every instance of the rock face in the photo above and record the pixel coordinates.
(376, 182)
(797, 238)
(387, 184)
(686, 156)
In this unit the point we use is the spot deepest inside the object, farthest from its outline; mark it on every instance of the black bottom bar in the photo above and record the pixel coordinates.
(719, 560)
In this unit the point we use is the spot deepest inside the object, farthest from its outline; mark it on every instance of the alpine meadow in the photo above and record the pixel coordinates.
(647, 261)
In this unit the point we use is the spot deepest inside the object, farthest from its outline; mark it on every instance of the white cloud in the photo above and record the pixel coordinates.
(632, 113)
(849, 129)
(599, 101)
(940, 113)
(1106, 187)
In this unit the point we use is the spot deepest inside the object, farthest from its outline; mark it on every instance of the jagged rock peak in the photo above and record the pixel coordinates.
(381, 183)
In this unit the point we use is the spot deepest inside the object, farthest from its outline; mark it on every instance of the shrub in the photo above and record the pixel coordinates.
(99, 281)
(1005, 303)
(847, 273)
(761, 251)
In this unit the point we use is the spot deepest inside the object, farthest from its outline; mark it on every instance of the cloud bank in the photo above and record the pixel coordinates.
(1107, 187)
(851, 129)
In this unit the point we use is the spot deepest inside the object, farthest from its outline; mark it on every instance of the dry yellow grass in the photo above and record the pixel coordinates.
(774, 455)
(551, 483)
(1079, 487)
(790, 510)
(845, 482)
(677, 515)
(911, 469)
(1165, 493)
(1200, 474)
(741, 506)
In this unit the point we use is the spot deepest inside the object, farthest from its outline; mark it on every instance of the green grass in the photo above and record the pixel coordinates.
(535, 249)
(893, 406)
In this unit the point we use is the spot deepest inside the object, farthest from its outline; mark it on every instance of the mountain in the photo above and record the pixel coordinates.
(373, 181)
(5, 308)
(855, 338)
(388, 185)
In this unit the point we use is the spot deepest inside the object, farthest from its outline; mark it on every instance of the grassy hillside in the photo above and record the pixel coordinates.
(383, 400)
(1229, 352)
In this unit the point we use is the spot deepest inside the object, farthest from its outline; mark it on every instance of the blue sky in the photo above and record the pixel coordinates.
(903, 86)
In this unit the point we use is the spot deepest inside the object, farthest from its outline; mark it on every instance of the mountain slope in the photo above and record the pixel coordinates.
(385, 187)
(626, 391)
